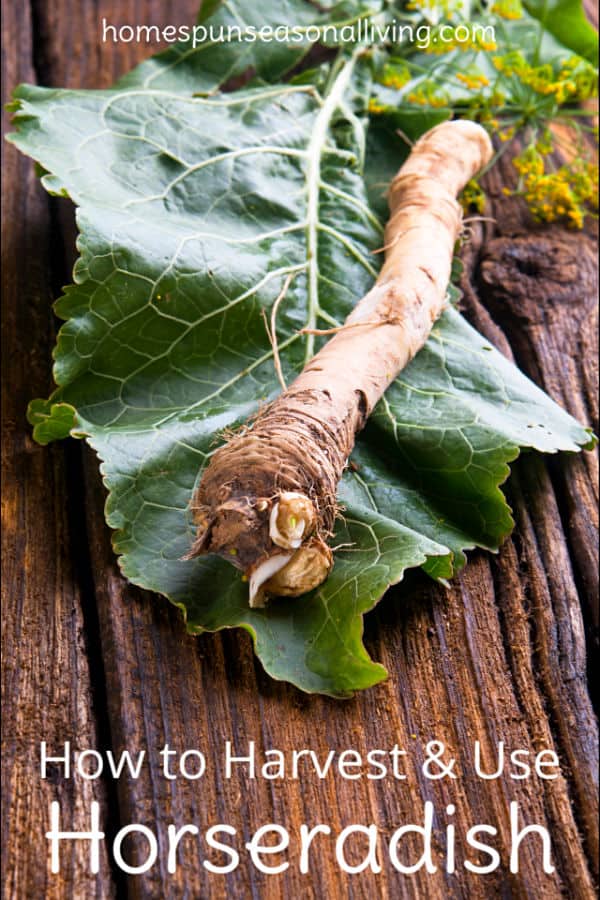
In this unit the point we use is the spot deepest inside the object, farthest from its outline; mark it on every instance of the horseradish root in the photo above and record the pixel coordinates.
(267, 500)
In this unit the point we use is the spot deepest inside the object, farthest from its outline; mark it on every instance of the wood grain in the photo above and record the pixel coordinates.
(499, 656)
(46, 678)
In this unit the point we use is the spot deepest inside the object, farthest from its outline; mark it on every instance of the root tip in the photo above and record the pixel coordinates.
(292, 520)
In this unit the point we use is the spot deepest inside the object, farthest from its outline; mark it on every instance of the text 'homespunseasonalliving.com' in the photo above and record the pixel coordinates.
(363, 31)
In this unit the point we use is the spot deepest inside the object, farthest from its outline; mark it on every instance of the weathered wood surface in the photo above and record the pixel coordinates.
(47, 690)
(500, 655)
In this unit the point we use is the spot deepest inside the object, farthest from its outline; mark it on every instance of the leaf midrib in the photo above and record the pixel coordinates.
(315, 150)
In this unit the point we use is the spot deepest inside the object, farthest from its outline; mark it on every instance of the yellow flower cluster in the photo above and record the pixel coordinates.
(472, 197)
(395, 76)
(575, 80)
(508, 9)
(544, 143)
(473, 81)
(425, 96)
(375, 107)
(444, 7)
(508, 134)
(530, 163)
(567, 194)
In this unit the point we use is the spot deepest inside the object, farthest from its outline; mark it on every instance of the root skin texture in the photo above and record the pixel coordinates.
(271, 490)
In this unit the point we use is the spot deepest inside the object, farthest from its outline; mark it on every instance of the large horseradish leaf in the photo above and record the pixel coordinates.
(193, 212)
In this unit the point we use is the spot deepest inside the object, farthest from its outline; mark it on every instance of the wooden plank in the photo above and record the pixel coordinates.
(498, 656)
(46, 690)
(551, 319)
(541, 283)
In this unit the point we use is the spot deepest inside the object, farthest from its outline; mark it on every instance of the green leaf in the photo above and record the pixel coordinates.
(237, 37)
(51, 421)
(567, 21)
(192, 213)
(207, 59)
